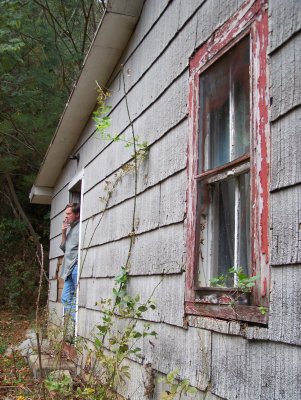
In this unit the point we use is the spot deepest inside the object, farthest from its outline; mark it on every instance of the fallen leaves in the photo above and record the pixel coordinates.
(15, 376)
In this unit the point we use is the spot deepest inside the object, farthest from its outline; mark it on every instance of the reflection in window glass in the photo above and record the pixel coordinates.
(244, 223)
(232, 225)
(225, 204)
(225, 108)
(225, 236)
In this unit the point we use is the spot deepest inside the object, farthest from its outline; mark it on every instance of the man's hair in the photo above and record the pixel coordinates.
(74, 206)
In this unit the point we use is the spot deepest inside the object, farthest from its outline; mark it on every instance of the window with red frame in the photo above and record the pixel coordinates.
(229, 169)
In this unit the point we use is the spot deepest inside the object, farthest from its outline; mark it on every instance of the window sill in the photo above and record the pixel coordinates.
(222, 295)
(235, 312)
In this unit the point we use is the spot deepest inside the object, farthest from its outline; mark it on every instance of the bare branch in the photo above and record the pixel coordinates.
(85, 30)
(65, 31)
(16, 202)
(26, 142)
(9, 202)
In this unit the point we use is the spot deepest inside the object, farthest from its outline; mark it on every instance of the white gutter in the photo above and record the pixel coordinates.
(110, 40)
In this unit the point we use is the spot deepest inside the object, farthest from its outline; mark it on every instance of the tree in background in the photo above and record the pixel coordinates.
(42, 47)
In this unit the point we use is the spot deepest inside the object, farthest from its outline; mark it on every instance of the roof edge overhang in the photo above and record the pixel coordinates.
(110, 41)
(40, 195)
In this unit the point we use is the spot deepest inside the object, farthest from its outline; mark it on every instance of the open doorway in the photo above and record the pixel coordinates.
(75, 193)
(75, 189)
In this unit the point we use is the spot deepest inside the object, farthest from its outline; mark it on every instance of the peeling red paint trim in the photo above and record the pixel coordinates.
(224, 311)
(261, 160)
(192, 160)
(250, 18)
(227, 33)
(264, 122)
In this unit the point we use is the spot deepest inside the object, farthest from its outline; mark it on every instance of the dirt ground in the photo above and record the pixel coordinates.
(15, 378)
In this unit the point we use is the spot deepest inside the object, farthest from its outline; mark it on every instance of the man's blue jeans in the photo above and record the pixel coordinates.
(69, 294)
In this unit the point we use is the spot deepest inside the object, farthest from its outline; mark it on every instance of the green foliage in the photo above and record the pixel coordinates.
(17, 259)
(103, 123)
(102, 120)
(243, 281)
(263, 310)
(117, 336)
(42, 46)
(175, 387)
(116, 339)
(11, 230)
(59, 383)
(85, 393)
(3, 346)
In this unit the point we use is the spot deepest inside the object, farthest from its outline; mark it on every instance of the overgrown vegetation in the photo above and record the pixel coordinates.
(103, 122)
(104, 366)
(121, 332)
(15, 376)
(235, 277)
(175, 387)
(42, 46)
(116, 339)
(240, 284)
(119, 336)
(19, 272)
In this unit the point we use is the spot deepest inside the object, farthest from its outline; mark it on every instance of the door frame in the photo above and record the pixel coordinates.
(79, 178)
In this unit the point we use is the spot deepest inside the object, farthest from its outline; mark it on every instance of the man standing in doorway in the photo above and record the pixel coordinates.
(69, 245)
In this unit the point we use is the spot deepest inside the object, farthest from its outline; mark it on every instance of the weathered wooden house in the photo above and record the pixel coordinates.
(214, 88)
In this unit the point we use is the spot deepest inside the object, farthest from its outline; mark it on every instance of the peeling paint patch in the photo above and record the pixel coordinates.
(250, 19)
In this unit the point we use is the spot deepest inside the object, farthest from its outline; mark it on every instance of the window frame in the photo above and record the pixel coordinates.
(250, 19)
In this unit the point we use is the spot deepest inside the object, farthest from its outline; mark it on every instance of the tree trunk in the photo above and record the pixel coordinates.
(22, 214)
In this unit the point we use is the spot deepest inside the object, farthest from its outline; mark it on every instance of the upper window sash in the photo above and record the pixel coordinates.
(224, 117)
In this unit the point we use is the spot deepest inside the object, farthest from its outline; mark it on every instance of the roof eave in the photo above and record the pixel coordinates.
(110, 40)
(40, 195)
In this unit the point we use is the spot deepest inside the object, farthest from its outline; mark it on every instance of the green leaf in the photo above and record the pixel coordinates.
(191, 390)
(123, 348)
(137, 335)
(262, 310)
(136, 350)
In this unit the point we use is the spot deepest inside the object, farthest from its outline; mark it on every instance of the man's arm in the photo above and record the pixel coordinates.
(64, 235)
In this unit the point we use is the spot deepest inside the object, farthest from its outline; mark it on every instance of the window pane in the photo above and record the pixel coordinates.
(224, 108)
(244, 223)
(224, 232)
(214, 115)
(225, 226)
(241, 99)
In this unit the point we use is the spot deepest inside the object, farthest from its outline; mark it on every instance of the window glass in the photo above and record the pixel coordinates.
(243, 260)
(225, 108)
(233, 225)
(227, 202)
(225, 228)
